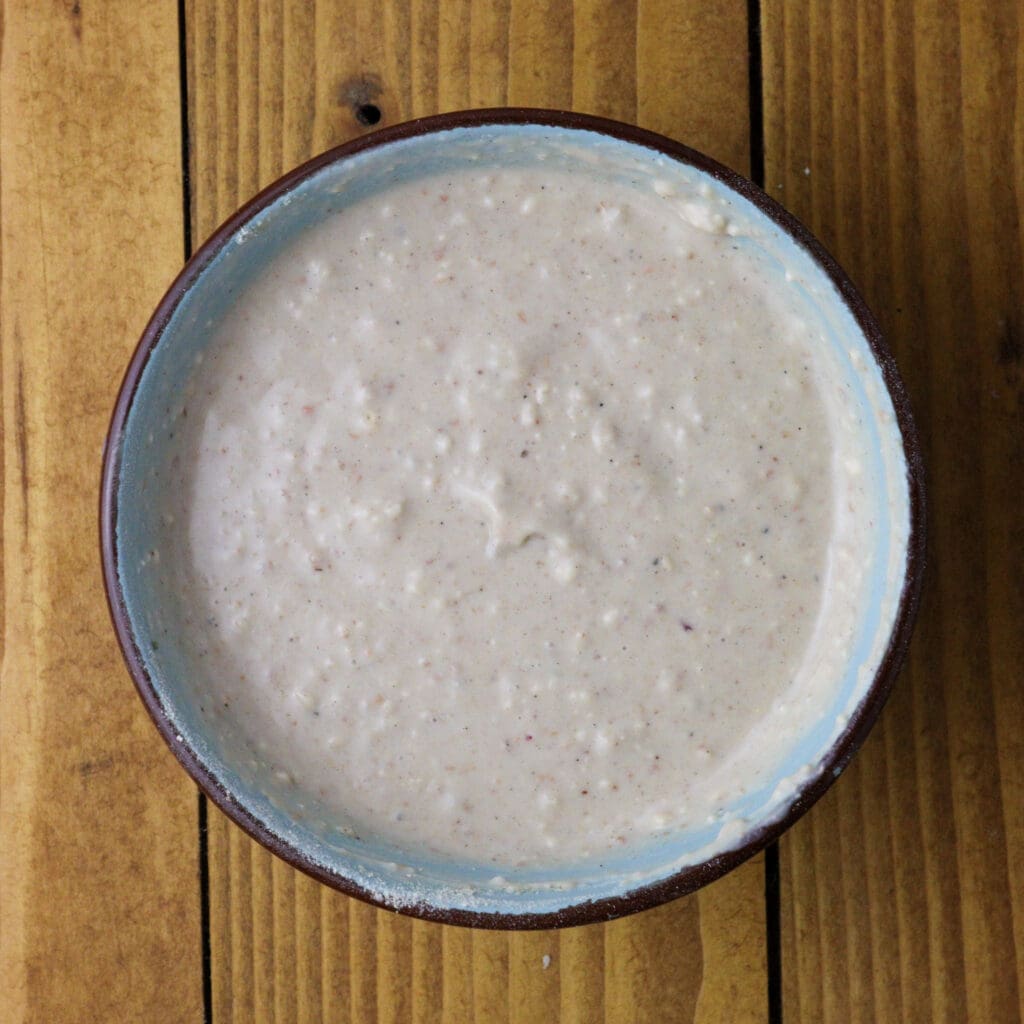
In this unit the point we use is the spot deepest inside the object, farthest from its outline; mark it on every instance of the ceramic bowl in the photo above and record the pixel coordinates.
(401, 879)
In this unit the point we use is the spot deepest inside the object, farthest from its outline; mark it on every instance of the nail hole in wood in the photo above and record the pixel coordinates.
(368, 113)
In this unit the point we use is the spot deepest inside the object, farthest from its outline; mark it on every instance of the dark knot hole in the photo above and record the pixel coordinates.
(367, 113)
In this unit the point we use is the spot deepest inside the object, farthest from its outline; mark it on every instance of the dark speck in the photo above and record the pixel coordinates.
(368, 114)
(1011, 348)
(687, 628)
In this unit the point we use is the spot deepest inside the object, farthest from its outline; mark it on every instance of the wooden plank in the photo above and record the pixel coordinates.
(294, 77)
(692, 75)
(98, 839)
(894, 131)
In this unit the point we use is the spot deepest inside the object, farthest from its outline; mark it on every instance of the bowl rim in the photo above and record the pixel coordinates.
(686, 879)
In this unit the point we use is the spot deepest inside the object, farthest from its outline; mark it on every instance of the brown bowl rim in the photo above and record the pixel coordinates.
(689, 878)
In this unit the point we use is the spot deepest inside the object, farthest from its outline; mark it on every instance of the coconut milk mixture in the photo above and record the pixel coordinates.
(514, 516)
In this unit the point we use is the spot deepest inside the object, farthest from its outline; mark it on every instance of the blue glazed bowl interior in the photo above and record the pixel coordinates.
(405, 878)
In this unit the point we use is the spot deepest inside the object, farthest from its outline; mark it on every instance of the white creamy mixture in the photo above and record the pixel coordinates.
(515, 516)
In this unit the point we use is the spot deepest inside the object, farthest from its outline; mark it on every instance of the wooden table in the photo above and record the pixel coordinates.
(130, 129)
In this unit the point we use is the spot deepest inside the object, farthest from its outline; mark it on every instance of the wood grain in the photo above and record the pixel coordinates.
(269, 85)
(895, 132)
(99, 894)
(893, 129)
